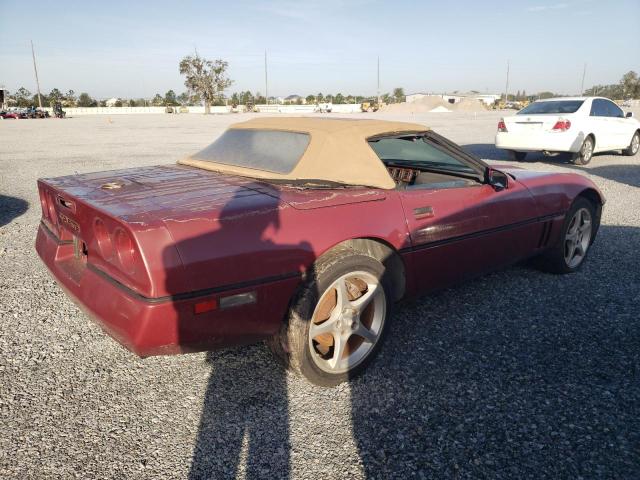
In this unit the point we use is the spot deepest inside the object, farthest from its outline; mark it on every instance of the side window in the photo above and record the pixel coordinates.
(613, 110)
(599, 108)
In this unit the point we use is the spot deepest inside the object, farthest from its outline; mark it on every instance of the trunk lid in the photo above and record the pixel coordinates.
(533, 123)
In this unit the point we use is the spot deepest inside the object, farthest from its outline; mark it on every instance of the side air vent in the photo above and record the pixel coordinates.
(545, 234)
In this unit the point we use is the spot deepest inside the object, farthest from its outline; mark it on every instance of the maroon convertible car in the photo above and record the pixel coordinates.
(303, 232)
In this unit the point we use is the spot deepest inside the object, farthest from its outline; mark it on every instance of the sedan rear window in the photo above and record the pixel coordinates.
(269, 150)
(556, 106)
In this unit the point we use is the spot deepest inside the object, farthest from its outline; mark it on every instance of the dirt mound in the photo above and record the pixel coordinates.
(423, 105)
(469, 105)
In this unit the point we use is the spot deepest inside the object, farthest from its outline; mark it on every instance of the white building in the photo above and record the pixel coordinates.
(487, 98)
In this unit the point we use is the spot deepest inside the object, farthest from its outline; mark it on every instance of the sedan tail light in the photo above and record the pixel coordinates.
(561, 126)
(502, 127)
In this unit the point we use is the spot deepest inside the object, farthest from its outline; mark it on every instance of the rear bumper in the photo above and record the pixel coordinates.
(148, 326)
(540, 141)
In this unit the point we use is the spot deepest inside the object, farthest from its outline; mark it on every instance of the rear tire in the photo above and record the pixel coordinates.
(517, 156)
(578, 233)
(329, 336)
(634, 146)
(585, 154)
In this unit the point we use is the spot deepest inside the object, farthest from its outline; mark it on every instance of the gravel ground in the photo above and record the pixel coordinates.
(516, 375)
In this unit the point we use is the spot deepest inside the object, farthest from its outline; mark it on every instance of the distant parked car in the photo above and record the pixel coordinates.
(10, 115)
(579, 125)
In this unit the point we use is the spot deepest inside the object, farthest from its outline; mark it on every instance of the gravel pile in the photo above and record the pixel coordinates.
(516, 375)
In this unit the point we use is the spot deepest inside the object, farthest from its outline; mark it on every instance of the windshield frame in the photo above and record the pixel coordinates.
(478, 167)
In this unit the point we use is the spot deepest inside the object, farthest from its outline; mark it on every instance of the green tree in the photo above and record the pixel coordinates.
(131, 102)
(386, 98)
(70, 98)
(84, 100)
(339, 99)
(398, 95)
(205, 77)
(246, 97)
(170, 98)
(319, 98)
(260, 99)
(310, 99)
(157, 101)
(55, 96)
(630, 85)
(183, 99)
(22, 97)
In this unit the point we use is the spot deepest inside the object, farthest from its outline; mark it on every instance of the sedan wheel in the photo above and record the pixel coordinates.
(347, 322)
(634, 146)
(586, 152)
(577, 238)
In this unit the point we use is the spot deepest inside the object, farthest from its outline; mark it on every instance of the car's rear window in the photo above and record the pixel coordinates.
(270, 150)
(556, 106)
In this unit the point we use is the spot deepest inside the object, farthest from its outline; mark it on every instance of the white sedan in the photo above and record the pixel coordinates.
(578, 125)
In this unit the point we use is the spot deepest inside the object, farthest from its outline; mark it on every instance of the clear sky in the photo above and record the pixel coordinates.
(132, 48)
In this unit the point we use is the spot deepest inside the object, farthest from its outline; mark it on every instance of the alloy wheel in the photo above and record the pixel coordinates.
(347, 322)
(577, 238)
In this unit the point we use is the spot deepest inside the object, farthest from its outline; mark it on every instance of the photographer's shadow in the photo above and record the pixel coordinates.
(244, 423)
(244, 417)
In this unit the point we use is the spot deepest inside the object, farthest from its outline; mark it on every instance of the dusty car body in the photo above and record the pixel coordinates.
(203, 255)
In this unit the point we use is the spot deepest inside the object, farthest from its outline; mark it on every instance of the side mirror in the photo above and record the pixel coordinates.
(497, 179)
(629, 115)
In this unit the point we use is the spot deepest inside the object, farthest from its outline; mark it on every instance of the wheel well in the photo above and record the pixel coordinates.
(385, 254)
(594, 197)
(594, 139)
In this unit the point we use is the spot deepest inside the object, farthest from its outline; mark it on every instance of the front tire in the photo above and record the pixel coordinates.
(338, 319)
(585, 154)
(578, 233)
(634, 146)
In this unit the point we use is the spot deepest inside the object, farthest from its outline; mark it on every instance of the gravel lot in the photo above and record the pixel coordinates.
(516, 375)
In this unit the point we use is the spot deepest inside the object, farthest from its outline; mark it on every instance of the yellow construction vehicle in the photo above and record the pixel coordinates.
(369, 105)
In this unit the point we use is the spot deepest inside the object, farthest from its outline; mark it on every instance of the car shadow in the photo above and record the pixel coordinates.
(627, 174)
(244, 424)
(488, 151)
(11, 208)
(482, 387)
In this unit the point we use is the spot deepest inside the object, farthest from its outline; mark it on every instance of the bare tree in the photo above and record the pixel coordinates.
(205, 78)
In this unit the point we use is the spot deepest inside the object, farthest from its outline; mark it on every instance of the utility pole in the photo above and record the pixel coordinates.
(266, 81)
(36, 70)
(584, 73)
(378, 81)
(506, 88)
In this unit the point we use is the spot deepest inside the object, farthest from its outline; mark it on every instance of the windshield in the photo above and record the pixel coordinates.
(556, 106)
(269, 150)
(417, 151)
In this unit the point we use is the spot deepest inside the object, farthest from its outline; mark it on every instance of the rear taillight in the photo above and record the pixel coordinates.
(561, 126)
(103, 239)
(501, 126)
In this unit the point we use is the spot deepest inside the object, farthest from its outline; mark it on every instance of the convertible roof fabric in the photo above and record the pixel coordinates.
(338, 150)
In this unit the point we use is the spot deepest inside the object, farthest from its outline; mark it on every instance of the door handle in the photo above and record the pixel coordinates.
(423, 212)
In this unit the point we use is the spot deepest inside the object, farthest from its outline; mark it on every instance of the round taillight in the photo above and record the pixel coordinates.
(43, 203)
(125, 250)
(105, 246)
(52, 210)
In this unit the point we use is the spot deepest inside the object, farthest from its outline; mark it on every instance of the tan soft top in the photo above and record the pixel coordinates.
(338, 150)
